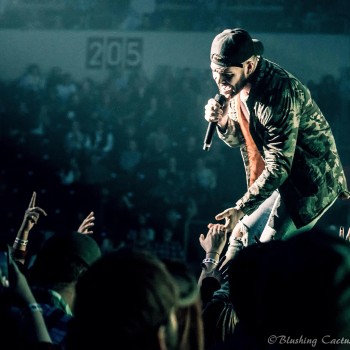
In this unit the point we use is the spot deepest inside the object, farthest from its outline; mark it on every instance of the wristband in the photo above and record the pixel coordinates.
(21, 241)
(209, 261)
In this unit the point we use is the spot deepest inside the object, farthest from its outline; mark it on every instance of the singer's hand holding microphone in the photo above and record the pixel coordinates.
(215, 115)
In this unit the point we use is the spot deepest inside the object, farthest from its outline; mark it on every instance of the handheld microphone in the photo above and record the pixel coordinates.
(221, 99)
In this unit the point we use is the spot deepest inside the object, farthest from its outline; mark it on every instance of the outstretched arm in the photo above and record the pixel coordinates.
(31, 217)
(36, 329)
(213, 244)
(231, 217)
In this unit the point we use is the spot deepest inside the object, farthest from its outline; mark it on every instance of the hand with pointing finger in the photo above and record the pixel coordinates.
(231, 216)
(31, 215)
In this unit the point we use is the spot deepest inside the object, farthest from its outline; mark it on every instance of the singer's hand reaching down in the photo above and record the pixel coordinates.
(214, 112)
(231, 216)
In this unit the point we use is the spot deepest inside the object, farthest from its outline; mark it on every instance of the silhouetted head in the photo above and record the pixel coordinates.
(297, 287)
(127, 297)
(63, 258)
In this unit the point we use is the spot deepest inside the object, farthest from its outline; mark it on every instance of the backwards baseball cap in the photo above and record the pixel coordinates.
(234, 46)
(70, 244)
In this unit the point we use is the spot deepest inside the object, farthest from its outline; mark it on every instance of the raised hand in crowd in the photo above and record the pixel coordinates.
(342, 233)
(219, 317)
(31, 215)
(87, 224)
(214, 241)
(213, 244)
(31, 218)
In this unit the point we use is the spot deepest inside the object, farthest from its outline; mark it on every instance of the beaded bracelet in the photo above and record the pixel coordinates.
(210, 261)
(21, 241)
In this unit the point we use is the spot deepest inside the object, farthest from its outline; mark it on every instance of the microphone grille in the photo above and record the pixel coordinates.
(221, 99)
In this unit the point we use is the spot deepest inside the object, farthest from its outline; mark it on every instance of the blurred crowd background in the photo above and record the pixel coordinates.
(129, 148)
(296, 16)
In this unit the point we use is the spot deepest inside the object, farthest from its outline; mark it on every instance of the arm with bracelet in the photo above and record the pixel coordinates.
(213, 244)
(219, 317)
(35, 328)
(31, 217)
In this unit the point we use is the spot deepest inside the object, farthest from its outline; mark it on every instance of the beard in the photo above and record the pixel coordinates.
(230, 91)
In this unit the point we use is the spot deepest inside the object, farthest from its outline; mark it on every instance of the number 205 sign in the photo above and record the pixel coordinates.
(113, 52)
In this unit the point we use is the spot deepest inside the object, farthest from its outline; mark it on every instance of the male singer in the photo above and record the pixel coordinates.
(291, 161)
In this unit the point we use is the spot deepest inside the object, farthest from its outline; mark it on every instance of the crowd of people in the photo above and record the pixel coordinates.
(321, 17)
(117, 176)
(85, 146)
(72, 295)
(92, 148)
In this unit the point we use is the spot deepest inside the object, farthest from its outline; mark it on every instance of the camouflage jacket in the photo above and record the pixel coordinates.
(295, 141)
